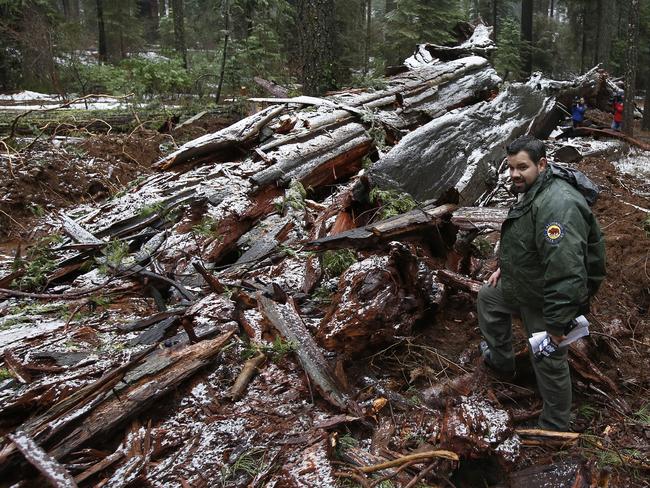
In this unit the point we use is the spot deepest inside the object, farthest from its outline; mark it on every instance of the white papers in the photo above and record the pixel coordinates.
(580, 330)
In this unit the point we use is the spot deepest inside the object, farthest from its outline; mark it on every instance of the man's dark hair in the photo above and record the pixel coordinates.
(534, 147)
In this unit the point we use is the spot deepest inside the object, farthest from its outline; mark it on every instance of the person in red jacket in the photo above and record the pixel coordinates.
(617, 106)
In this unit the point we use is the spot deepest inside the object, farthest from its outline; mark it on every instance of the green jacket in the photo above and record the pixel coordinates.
(552, 252)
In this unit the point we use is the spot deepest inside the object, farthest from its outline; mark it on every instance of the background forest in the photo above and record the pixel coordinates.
(212, 48)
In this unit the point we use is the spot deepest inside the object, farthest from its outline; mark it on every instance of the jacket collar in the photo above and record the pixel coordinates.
(522, 206)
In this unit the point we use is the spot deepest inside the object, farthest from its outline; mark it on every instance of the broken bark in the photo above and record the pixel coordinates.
(378, 298)
(569, 473)
(474, 427)
(479, 218)
(55, 473)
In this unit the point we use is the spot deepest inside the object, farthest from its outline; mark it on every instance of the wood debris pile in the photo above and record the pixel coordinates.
(219, 321)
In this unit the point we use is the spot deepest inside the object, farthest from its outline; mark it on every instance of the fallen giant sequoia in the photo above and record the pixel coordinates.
(270, 347)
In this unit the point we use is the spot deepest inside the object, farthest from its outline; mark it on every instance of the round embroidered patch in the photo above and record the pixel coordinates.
(554, 232)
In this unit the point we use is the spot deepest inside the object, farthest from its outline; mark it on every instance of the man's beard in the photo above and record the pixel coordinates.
(523, 187)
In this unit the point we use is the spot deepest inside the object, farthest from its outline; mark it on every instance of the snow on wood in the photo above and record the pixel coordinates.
(54, 472)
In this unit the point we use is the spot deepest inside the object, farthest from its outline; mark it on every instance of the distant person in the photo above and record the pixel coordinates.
(578, 110)
(617, 107)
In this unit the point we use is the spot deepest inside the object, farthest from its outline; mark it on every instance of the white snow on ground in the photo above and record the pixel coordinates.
(636, 163)
(29, 95)
(29, 100)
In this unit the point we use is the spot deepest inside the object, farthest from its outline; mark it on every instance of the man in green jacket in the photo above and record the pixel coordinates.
(552, 260)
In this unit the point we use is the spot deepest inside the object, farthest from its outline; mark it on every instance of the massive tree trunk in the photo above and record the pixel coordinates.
(366, 53)
(226, 37)
(457, 149)
(583, 44)
(148, 12)
(316, 42)
(527, 35)
(495, 16)
(179, 30)
(102, 47)
(631, 67)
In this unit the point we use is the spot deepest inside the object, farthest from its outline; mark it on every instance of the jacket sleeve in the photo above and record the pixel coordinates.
(561, 235)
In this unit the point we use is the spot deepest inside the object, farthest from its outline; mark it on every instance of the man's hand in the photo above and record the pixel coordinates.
(557, 339)
(494, 277)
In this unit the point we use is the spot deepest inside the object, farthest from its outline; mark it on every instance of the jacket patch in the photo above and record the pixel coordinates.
(554, 232)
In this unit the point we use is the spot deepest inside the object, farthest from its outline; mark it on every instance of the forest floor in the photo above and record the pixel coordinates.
(73, 166)
(195, 423)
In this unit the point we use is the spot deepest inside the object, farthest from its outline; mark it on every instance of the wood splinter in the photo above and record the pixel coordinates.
(537, 437)
(189, 328)
(418, 456)
(54, 472)
(247, 373)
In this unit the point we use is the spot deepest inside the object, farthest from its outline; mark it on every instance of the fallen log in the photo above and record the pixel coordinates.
(459, 281)
(479, 43)
(408, 225)
(271, 87)
(237, 135)
(614, 134)
(287, 321)
(458, 149)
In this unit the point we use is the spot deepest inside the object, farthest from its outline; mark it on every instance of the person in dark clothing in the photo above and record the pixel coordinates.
(551, 261)
(578, 110)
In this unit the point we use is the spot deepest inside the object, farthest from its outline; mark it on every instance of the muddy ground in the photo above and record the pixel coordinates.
(282, 433)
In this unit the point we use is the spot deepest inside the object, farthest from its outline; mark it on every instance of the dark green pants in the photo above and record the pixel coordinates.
(552, 373)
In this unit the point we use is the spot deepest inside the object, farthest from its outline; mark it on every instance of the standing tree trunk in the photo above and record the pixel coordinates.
(226, 35)
(366, 47)
(527, 35)
(102, 48)
(631, 56)
(583, 46)
(599, 19)
(645, 123)
(179, 30)
(551, 10)
(148, 13)
(495, 16)
(316, 43)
